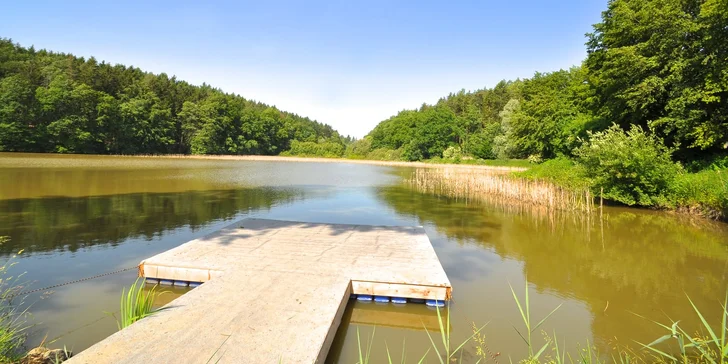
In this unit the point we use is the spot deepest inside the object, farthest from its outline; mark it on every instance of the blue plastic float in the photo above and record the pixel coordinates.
(435, 303)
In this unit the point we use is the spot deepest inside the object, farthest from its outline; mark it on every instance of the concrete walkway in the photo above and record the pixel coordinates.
(276, 291)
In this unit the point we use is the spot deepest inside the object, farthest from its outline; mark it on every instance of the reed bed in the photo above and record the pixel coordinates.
(481, 184)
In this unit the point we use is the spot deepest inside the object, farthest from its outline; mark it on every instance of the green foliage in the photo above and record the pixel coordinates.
(53, 102)
(675, 85)
(632, 167)
(136, 304)
(562, 171)
(470, 121)
(482, 144)
(13, 327)
(359, 148)
(710, 349)
(706, 191)
(453, 153)
(525, 310)
(320, 149)
(504, 143)
(385, 154)
(443, 349)
(662, 64)
(550, 116)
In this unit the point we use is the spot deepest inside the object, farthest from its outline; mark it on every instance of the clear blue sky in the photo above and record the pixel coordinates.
(349, 64)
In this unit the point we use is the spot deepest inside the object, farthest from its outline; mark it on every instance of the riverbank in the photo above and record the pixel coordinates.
(427, 164)
(703, 194)
(274, 158)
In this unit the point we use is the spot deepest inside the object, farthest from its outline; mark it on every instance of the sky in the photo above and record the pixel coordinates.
(350, 64)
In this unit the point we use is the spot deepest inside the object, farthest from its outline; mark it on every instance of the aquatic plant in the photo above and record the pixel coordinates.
(13, 326)
(712, 348)
(445, 354)
(136, 304)
(483, 184)
(525, 310)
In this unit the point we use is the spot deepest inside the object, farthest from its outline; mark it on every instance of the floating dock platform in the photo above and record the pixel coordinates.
(274, 291)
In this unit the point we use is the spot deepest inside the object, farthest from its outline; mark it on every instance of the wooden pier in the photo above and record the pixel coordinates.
(276, 292)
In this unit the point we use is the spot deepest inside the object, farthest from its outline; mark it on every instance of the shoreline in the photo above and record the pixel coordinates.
(275, 158)
(699, 211)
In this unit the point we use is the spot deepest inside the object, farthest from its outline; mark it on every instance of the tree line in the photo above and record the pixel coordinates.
(56, 102)
(659, 65)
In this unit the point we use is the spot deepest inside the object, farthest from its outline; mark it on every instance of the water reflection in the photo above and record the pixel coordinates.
(628, 262)
(80, 216)
(71, 223)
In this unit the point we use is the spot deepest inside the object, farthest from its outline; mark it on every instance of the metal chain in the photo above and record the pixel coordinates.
(72, 282)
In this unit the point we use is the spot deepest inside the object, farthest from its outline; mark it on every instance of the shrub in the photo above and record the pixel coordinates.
(454, 153)
(311, 149)
(385, 154)
(413, 151)
(480, 145)
(632, 167)
(359, 148)
(561, 171)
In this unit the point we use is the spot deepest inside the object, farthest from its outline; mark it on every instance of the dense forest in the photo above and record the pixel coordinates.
(659, 65)
(642, 121)
(55, 102)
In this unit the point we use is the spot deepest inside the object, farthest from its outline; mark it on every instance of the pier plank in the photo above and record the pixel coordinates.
(275, 291)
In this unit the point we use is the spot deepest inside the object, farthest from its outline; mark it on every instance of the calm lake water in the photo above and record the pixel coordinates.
(78, 216)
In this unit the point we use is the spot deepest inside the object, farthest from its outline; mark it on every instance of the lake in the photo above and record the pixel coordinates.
(79, 216)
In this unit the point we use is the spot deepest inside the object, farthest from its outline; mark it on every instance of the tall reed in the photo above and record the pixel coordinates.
(482, 184)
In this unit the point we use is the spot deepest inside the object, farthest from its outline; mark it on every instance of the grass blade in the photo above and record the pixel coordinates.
(470, 338)
(705, 323)
(425, 356)
(358, 343)
(371, 343)
(433, 344)
(662, 353)
(546, 318)
(541, 350)
(518, 303)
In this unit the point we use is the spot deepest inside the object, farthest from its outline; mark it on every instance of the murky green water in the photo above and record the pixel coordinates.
(77, 216)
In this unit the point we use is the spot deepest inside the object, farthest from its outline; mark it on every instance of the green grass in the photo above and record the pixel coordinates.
(704, 189)
(561, 171)
(525, 311)
(703, 193)
(710, 348)
(13, 321)
(713, 348)
(443, 349)
(136, 304)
